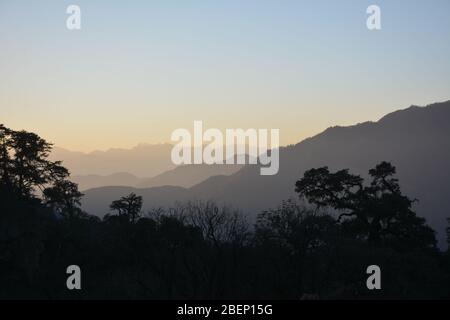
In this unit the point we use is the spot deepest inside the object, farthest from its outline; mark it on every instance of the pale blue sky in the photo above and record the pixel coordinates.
(140, 69)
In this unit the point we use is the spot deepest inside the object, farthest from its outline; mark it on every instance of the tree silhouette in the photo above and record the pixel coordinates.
(218, 224)
(200, 250)
(128, 207)
(24, 164)
(378, 212)
(298, 233)
(64, 198)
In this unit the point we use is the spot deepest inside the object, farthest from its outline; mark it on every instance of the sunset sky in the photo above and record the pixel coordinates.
(137, 70)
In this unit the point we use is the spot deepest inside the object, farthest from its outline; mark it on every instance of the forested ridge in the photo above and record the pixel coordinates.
(316, 246)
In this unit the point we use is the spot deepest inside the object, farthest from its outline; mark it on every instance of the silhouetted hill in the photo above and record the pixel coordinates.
(143, 166)
(144, 160)
(95, 181)
(188, 175)
(415, 140)
(97, 200)
(182, 176)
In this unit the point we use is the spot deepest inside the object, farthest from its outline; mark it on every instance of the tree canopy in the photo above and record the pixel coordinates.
(317, 246)
(378, 211)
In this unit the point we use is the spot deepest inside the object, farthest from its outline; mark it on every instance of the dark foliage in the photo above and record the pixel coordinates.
(199, 250)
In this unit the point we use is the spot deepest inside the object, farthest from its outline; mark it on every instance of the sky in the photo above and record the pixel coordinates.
(138, 70)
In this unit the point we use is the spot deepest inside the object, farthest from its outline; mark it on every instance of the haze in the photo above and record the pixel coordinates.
(140, 69)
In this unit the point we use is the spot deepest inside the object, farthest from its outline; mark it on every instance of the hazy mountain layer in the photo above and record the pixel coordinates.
(182, 176)
(416, 140)
(143, 160)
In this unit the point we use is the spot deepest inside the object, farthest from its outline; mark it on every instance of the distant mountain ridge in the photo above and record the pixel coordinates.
(188, 175)
(90, 181)
(416, 140)
(182, 176)
(144, 160)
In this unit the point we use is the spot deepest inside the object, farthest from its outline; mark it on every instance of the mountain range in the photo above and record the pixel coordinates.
(415, 140)
(183, 176)
(144, 160)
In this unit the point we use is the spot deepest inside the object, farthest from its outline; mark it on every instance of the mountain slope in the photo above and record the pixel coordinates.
(96, 181)
(182, 176)
(97, 200)
(143, 160)
(416, 140)
(188, 175)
